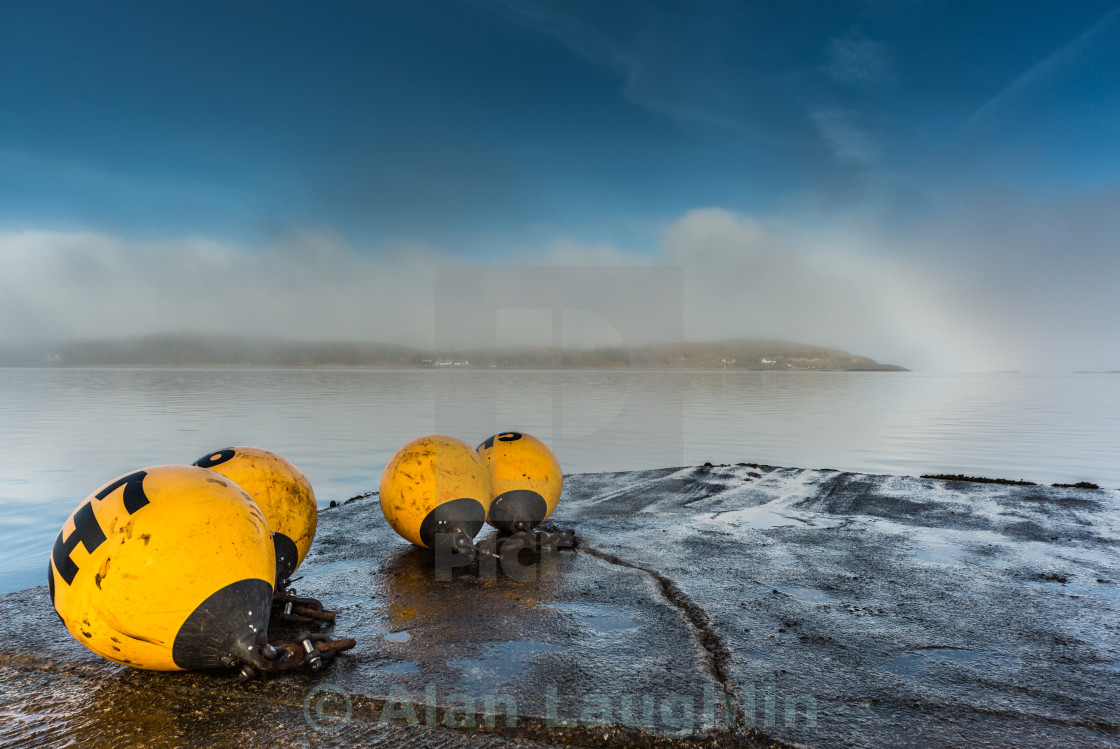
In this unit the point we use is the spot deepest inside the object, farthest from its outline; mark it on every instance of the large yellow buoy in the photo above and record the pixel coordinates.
(283, 493)
(167, 568)
(434, 485)
(525, 480)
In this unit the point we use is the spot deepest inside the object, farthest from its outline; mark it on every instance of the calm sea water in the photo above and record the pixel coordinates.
(65, 432)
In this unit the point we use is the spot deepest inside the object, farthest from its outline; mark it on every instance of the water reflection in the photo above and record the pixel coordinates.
(476, 632)
(64, 432)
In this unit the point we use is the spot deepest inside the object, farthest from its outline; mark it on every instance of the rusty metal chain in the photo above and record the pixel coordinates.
(311, 650)
(292, 609)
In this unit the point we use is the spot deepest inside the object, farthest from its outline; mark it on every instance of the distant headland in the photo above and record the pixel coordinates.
(198, 350)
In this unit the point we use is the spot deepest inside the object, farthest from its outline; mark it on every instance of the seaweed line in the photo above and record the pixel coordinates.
(719, 657)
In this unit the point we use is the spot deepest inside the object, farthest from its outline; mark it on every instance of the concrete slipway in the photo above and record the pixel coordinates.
(832, 609)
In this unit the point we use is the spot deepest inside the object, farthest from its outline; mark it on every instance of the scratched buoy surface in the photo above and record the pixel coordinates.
(283, 493)
(435, 484)
(525, 480)
(167, 568)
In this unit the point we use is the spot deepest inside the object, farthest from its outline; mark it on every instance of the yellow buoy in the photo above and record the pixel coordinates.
(167, 568)
(433, 485)
(525, 480)
(283, 493)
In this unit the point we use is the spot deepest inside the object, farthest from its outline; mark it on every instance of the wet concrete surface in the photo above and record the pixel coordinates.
(830, 609)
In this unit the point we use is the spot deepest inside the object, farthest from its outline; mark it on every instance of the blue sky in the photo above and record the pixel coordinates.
(956, 136)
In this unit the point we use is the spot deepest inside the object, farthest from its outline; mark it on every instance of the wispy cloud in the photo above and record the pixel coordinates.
(860, 61)
(661, 61)
(1049, 68)
(850, 141)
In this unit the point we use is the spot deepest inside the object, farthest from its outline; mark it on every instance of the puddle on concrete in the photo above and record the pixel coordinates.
(938, 551)
(320, 576)
(1085, 584)
(599, 618)
(754, 655)
(935, 545)
(913, 663)
(398, 668)
(807, 595)
(501, 663)
(402, 636)
(761, 518)
(610, 623)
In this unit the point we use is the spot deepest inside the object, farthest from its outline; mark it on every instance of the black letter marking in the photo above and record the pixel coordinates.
(134, 497)
(86, 530)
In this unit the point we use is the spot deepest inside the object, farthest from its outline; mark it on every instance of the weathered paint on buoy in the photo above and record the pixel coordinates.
(167, 568)
(283, 493)
(525, 480)
(435, 484)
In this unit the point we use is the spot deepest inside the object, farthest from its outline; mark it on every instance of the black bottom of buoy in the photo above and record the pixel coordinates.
(231, 621)
(50, 588)
(518, 510)
(463, 515)
(286, 555)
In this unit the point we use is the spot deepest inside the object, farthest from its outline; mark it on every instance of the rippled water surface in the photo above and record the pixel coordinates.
(65, 432)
